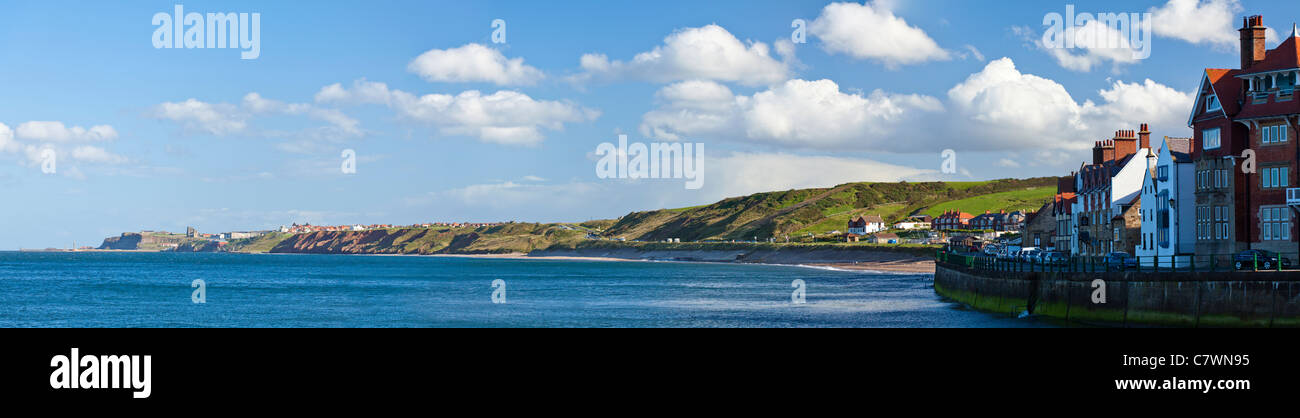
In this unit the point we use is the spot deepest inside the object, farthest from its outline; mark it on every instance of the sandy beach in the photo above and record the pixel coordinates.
(916, 265)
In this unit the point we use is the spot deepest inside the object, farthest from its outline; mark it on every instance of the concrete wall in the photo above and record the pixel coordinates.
(1185, 299)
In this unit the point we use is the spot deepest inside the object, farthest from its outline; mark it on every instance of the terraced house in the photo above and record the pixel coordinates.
(1250, 108)
(1104, 215)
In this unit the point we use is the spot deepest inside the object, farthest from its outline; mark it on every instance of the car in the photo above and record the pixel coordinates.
(1258, 260)
(1029, 256)
(1120, 261)
(1055, 258)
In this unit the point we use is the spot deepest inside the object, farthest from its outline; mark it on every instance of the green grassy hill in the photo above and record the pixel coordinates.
(1025, 199)
(799, 212)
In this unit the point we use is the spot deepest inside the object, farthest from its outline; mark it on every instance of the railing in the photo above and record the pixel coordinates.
(1099, 264)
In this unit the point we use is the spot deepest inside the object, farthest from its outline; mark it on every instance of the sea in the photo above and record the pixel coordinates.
(129, 289)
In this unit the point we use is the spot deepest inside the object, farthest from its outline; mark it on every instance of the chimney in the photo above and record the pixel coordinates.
(1252, 40)
(1097, 156)
(1144, 137)
(1125, 144)
(1107, 151)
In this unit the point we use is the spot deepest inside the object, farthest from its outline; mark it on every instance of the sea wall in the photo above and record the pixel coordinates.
(1179, 299)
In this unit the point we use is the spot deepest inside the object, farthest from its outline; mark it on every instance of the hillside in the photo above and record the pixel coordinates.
(507, 238)
(799, 212)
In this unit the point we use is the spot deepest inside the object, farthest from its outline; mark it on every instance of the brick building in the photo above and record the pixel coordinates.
(1250, 108)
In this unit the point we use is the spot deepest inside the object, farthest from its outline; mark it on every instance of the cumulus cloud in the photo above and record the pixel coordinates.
(506, 117)
(798, 113)
(873, 32)
(473, 63)
(55, 131)
(1002, 108)
(7, 143)
(222, 119)
(705, 53)
(997, 108)
(1198, 21)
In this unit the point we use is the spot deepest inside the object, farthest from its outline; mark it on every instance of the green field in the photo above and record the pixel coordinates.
(1025, 200)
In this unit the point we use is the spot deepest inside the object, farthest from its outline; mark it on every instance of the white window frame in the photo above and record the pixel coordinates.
(1207, 135)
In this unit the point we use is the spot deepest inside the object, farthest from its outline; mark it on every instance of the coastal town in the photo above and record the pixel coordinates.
(1223, 196)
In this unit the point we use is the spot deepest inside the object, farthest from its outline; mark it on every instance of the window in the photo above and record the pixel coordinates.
(1212, 103)
(1273, 134)
(1274, 223)
(1210, 137)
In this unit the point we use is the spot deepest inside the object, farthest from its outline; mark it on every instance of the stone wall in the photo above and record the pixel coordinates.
(1181, 299)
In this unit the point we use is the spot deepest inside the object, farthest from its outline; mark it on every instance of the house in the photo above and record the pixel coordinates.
(911, 224)
(864, 225)
(1040, 227)
(884, 238)
(1109, 188)
(1062, 211)
(1169, 202)
(951, 220)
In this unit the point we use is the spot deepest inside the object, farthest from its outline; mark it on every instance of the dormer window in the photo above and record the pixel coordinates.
(1212, 103)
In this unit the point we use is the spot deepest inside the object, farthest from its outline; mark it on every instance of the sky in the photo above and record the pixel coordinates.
(494, 111)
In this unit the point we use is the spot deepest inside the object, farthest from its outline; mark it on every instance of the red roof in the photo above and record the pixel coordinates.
(1281, 58)
(1226, 86)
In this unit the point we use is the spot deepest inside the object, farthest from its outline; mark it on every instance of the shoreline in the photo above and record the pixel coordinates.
(898, 266)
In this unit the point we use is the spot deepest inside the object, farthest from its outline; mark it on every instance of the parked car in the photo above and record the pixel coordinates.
(1121, 261)
(1055, 258)
(1008, 253)
(1029, 256)
(1246, 260)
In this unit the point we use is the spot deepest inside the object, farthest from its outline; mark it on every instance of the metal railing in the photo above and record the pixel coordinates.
(1099, 264)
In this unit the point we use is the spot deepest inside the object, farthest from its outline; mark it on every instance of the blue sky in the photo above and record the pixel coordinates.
(150, 138)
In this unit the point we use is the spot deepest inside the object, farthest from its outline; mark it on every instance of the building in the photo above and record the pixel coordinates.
(1168, 196)
(1249, 108)
(1109, 188)
(911, 224)
(864, 225)
(951, 220)
(883, 238)
(1040, 227)
(1062, 211)
(1001, 221)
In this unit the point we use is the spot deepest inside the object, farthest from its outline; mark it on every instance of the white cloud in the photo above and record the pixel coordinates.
(1198, 21)
(1091, 43)
(473, 63)
(873, 32)
(7, 143)
(705, 53)
(1002, 108)
(54, 131)
(997, 108)
(798, 113)
(507, 117)
(217, 119)
(93, 154)
(222, 119)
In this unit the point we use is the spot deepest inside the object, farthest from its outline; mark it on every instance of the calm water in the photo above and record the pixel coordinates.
(251, 290)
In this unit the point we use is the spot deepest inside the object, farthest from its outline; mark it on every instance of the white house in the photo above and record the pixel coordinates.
(864, 225)
(912, 225)
(1167, 196)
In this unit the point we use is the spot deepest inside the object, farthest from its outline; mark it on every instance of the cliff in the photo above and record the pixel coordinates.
(127, 241)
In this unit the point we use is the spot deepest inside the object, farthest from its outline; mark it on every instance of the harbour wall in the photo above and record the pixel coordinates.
(1174, 299)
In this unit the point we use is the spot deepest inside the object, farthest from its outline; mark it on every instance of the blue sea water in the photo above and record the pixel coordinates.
(95, 289)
